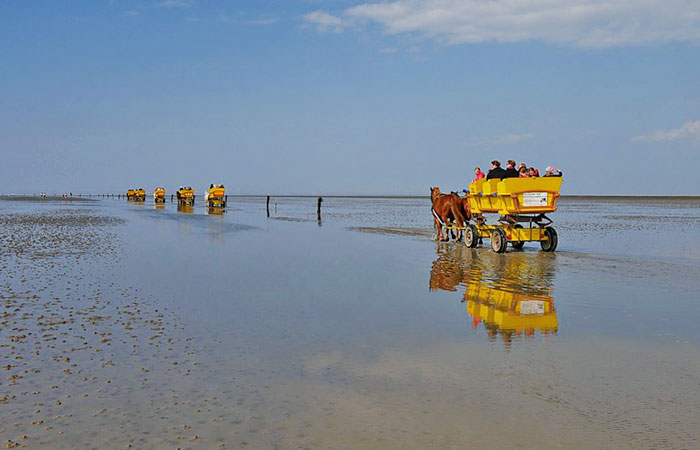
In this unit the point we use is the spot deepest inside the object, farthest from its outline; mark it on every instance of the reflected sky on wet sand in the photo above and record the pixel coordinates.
(199, 328)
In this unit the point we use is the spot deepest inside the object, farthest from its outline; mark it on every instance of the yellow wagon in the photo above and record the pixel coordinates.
(140, 195)
(136, 195)
(517, 201)
(215, 197)
(159, 195)
(185, 195)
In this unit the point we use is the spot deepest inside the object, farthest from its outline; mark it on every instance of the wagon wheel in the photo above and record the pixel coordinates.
(552, 240)
(517, 245)
(499, 241)
(471, 236)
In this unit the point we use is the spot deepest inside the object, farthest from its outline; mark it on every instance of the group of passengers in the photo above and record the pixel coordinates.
(511, 171)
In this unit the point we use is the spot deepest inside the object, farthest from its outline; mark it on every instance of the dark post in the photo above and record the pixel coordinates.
(267, 206)
(318, 208)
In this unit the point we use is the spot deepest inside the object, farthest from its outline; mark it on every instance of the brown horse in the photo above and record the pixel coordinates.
(448, 209)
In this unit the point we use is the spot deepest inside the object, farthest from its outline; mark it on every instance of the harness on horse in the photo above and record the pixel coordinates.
(437, 217)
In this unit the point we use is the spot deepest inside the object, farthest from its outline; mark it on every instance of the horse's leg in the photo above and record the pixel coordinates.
(457, 214)
(438, 223)
(437, 226)
(441, 232)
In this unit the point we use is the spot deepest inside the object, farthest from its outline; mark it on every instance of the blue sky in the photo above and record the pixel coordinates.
(347, 97)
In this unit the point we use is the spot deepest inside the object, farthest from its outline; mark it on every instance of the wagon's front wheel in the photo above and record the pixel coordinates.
(552, 240)
(499, 241)
(471, 236)
(518, 245)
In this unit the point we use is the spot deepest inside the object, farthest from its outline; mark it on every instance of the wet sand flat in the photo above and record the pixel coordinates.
(134, 326)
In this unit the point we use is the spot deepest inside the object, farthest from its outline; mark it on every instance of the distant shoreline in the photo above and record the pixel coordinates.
(47, 198)
(92, 197)
(680, 197)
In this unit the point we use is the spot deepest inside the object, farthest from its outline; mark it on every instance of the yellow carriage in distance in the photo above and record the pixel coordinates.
(185, 195)
(215, 197)
(518, 201)
(159, 195)
(136, 195)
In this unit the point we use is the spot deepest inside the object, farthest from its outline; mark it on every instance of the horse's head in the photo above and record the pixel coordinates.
(434, 192)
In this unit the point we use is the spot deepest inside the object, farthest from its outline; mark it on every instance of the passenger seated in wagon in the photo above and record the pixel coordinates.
(496, 172)
(552, 171)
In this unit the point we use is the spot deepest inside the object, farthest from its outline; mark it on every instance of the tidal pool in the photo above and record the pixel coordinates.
(140, 326)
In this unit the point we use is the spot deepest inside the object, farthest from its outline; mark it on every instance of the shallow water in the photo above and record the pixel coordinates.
(158, 327)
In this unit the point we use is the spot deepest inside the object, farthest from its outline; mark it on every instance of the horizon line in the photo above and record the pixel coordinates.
(104, 195)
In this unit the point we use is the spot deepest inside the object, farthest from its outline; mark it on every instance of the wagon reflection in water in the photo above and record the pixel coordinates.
(185, 208)
(509, 295)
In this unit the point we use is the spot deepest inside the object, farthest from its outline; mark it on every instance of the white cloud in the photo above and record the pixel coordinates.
(324, 21)
(265, 21)
(175, 4)
(584, 23)
(502, 139)
(689, 129)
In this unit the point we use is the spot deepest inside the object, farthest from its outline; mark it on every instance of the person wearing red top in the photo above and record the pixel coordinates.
(479, 174)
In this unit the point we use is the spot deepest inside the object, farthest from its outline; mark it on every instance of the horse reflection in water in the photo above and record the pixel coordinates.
(510, 295)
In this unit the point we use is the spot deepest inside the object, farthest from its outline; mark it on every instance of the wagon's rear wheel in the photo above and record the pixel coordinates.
(518, 245)
(552, 240)
(499, 241)
(471, 236)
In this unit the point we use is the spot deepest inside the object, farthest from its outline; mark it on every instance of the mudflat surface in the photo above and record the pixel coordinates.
(140, 326)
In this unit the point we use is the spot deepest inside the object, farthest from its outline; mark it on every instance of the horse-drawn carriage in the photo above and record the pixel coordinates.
(136, 195)
(215, 197)
(521, 203)
(185, 195)
(159, 195)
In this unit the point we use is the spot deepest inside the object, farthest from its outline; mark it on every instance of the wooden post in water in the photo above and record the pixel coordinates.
(318, 208)
(267, 206)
